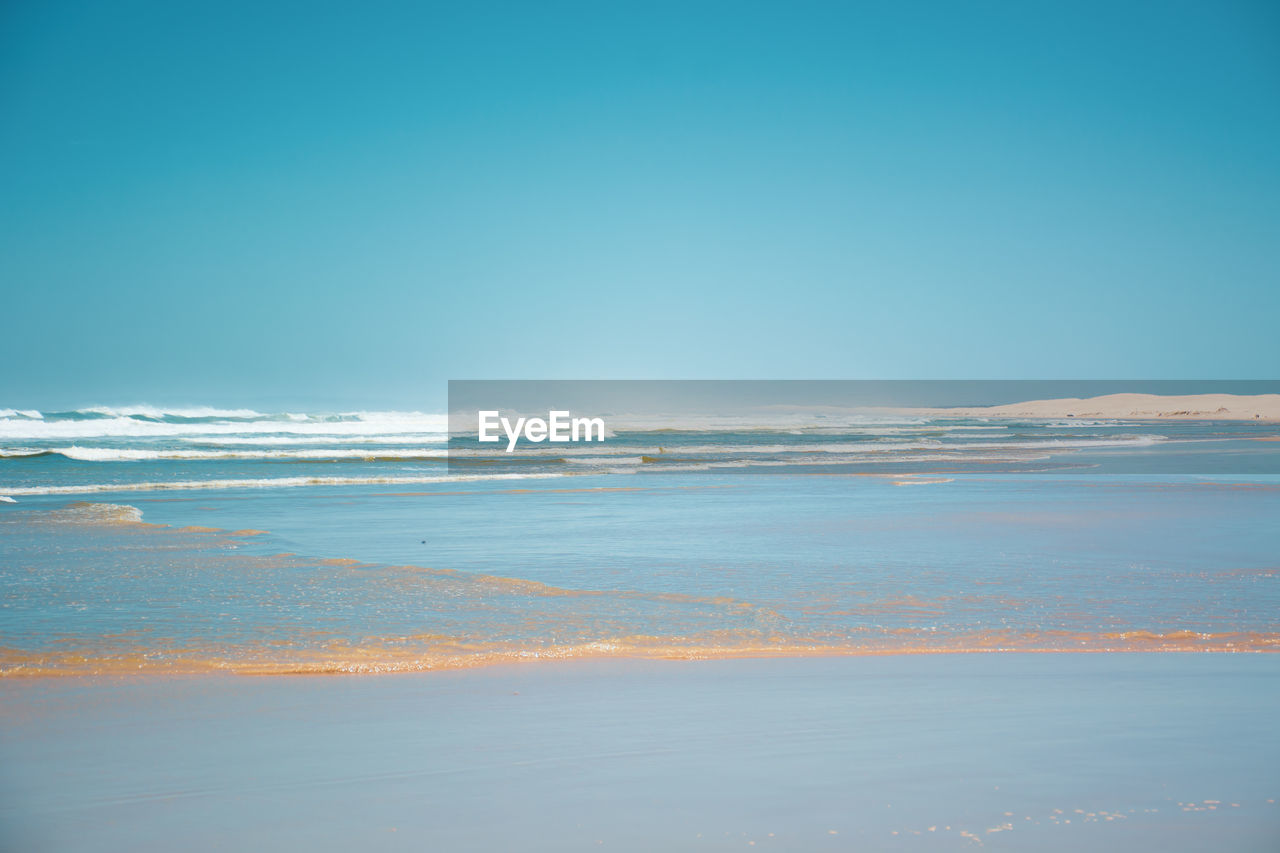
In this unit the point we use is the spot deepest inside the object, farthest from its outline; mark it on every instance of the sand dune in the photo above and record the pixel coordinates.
(1225, 407)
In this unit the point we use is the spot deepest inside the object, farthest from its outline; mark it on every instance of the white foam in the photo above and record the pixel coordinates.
(122, 426)
(120, 454)
(286, 440)
(605, 460)
(96, 513)
(878, 448)
(160, 412)
(269, 483)
(1069, 424)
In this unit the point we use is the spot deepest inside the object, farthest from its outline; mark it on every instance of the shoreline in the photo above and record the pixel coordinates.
(1156, 645)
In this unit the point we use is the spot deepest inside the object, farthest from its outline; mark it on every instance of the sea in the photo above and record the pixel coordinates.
(800, 630)
(204, 539)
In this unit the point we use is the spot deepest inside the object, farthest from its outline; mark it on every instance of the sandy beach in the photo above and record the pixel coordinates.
(1003, 752)
(1215, 407)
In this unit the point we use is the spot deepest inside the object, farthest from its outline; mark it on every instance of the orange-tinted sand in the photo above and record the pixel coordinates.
(425, 653)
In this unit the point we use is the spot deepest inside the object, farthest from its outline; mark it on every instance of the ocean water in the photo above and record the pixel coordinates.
(852, 632)
(203, 539)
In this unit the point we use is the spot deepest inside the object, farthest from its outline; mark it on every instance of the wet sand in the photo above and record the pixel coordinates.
(926, 752)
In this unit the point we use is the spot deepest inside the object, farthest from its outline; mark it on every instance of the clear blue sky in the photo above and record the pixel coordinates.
(348, 204)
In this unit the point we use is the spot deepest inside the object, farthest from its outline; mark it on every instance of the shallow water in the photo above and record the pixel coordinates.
(363, 580)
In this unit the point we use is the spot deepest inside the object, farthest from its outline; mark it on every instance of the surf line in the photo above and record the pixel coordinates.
(558, 426)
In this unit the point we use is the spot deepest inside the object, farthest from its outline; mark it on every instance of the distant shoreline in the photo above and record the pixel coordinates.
(1200, 407)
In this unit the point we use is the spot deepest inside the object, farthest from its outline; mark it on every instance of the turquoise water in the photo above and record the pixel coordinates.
(368, 550)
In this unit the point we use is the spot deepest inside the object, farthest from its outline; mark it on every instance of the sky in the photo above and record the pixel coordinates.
(341, 204)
